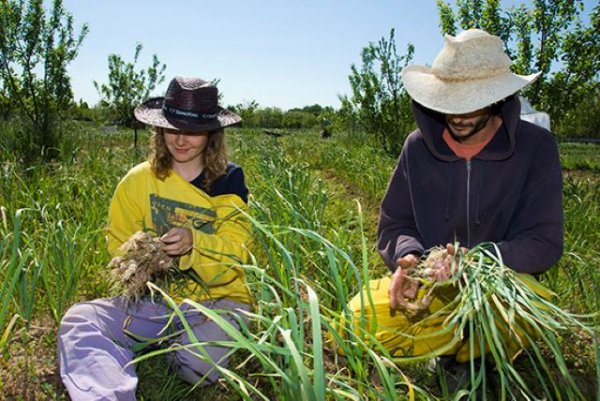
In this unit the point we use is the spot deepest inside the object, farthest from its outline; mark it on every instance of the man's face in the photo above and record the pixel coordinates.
(465, 126)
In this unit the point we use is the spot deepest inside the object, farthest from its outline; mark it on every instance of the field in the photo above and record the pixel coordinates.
(314, 205)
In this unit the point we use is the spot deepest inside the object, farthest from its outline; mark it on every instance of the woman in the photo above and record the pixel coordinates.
(190, 196)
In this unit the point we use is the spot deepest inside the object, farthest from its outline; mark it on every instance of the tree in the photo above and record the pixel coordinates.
(126, 87)
(35, 48)
(247, 111)
(269, 117)
(575, 89)
(379, 104)
(548, 37)
(5, 104)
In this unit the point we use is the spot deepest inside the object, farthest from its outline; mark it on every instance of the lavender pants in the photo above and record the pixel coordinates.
(96, 341)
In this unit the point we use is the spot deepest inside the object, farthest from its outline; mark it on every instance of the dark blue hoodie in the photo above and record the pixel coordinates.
(509, 194)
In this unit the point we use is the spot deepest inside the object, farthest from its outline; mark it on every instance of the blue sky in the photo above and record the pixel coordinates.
(279, 53)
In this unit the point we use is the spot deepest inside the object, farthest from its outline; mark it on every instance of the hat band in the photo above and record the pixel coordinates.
(175, 112)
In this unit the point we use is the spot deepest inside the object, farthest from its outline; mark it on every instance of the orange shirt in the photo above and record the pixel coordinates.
(465, 151)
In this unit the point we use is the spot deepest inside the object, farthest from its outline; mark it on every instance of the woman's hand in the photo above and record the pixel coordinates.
(178, 241)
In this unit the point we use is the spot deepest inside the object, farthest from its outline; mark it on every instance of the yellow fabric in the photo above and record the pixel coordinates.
(220, 231)
(428, 333)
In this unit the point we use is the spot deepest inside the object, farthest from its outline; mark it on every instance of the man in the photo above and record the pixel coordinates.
(472, 172)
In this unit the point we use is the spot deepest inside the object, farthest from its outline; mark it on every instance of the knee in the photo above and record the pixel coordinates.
(205, 360)
(76, 314)
(83, 317)
(193, 364)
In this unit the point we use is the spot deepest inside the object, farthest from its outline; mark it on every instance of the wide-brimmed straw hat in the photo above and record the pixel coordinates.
(471, 72)
(190, 104)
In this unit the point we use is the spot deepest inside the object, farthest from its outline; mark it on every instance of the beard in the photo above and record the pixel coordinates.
(464, 131)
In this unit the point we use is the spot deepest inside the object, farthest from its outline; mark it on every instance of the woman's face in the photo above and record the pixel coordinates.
(185, 147)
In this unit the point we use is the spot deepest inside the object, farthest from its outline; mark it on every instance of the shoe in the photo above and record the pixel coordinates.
(455, 377)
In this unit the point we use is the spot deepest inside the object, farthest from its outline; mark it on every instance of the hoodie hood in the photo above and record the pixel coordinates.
(431, 125)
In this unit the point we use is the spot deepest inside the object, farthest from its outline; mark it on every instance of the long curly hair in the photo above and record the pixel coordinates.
(214, 156)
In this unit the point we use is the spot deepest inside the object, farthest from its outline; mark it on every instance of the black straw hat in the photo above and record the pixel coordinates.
(190, 104)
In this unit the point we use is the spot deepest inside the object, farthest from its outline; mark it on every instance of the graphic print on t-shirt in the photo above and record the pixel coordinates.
(167, 213)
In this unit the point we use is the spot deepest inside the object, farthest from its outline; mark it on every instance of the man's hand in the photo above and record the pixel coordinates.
(404, 289)
(177, 241)
(403, 286)
(444, 269)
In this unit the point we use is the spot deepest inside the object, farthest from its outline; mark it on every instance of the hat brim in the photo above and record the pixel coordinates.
(460, 97)
(150, 112)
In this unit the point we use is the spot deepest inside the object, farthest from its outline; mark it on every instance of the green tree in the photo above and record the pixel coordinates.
(5, 104)
(269, 117)
(379, 104)
(247, 111)
(485, 15)
(126, 87)
(314, 109)
(575, 89)
(521, 20)
(296, 118)
(36, 45)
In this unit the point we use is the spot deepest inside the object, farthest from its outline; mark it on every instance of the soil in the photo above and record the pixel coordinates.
(29, 372)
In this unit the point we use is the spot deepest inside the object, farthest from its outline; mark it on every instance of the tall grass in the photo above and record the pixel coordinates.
(364, 168)
(53, 219)
(499, 311)
(12, 265)
(580, 156)
(577, 278)
(313, 250)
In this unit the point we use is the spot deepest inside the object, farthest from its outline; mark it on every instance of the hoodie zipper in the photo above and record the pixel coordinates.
(468, 203)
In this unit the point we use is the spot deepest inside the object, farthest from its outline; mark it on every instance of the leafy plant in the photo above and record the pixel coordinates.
(126, 87)
(35, 49)
(379, 104)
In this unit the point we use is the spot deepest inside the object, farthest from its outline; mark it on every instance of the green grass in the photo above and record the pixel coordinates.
(314, 205)
(580, 157)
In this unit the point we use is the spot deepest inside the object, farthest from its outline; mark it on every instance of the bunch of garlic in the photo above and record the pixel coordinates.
(142, 260)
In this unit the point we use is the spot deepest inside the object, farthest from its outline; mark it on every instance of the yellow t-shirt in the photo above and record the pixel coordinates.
(221, 232)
